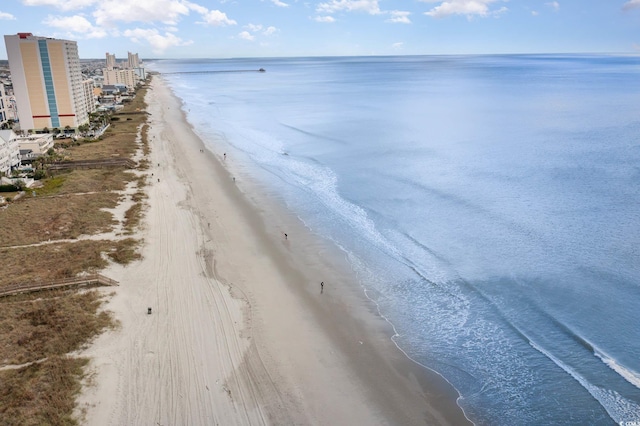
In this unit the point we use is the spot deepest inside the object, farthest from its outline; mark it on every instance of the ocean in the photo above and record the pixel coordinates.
(490, 206)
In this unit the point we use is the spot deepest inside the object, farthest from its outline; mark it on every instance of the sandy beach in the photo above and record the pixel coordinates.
(240, 332)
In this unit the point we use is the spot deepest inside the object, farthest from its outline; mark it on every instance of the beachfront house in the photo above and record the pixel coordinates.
(9, 152)
(33, 146)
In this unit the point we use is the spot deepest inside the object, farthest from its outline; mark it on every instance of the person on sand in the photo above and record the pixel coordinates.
(321, 286)
(286, 237)
(225, 155)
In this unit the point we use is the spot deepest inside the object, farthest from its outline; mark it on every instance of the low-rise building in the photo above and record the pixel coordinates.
(33, 146)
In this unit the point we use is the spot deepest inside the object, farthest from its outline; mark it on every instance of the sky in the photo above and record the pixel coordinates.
(284, 28)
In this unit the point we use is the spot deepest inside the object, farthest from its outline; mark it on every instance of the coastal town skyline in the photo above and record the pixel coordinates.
(280, 28)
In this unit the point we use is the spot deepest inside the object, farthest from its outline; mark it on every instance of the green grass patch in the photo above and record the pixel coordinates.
(51, 186)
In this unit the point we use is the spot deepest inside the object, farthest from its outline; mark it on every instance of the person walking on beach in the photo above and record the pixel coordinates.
(225, 155)
(321, 286)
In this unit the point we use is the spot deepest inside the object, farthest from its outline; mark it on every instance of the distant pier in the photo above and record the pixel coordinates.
(212, 71)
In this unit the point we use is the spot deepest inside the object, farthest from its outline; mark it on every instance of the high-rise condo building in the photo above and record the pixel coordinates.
(133, 61)
(47, 82)
(129, 78)
(111, 60)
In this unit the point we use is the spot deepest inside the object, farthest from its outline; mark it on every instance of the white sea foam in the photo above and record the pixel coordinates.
(628, 374)
(619, 408)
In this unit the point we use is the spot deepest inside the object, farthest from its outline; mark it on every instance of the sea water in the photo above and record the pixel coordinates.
(489, 204)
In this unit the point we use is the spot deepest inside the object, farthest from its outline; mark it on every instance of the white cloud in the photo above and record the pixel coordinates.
(61, 4)
(246, 35)
(7, 16)
(217, 19)
(399, 17)
(211, 17)
(256, 28)
(77, 25)
(469, 8)
(325, 19)
(253, 27)
(553, 5)
(158, 42)
(535, 13)
(368, 6)
(631, 4)
(397, 46)
(279, 3)
(166, 11)
(270, 31)
(196, 7)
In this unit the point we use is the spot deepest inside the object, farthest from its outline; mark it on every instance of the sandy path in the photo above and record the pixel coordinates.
(238, 334)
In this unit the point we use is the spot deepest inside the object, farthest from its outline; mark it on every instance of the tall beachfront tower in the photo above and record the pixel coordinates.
(47, 82)
(110, 61)
(133, 61)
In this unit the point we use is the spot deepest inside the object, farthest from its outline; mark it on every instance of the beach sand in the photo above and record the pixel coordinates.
(240, 332)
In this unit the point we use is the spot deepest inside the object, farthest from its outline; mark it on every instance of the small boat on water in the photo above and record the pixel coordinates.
(262, 70)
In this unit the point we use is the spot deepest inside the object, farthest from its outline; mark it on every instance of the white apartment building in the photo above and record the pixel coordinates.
(47, 82)
(9, 151)
(140, 72)
(87, 89)
(4, 106)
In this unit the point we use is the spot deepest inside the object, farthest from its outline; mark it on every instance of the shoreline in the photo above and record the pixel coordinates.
(240, 332)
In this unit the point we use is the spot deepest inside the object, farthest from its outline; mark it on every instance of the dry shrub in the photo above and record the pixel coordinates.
(113, 145)
(144, 164)
(41, 394)
(96, 180)
(32, 220)
(125, 251)
(132, 217)
(32, 330)
(139, 196)
(144, 135)
(35, 329)
(53, 261)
